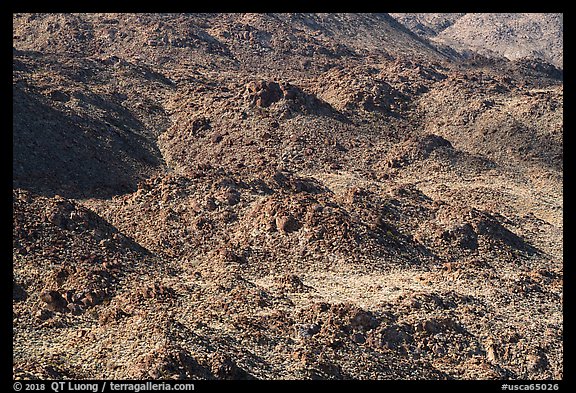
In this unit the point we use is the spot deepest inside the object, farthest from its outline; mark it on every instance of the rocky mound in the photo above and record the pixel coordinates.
(77, 132)
(529, 120)
(305, 42)
(67, 255)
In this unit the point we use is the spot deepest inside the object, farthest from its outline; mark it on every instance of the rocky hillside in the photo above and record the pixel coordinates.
(512, 35)
(281, 196)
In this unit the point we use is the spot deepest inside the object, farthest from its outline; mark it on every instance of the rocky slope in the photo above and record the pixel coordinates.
(281, 196)
(512, 35)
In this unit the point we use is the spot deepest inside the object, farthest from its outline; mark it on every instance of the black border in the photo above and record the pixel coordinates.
(304, 385)
(327, 6)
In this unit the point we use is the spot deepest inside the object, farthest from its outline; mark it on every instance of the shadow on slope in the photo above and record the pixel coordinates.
(68, 153)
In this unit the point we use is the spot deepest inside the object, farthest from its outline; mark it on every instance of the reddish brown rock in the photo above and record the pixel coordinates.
(229, 197)
(54, 300)
(287, 224)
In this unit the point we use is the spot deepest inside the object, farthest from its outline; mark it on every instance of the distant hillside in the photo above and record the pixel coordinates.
(254, 41)
(512, 35)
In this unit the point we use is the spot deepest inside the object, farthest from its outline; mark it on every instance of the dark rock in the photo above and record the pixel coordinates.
(58, 95)
(394, 336)
(89, 299)
(62, 274)
(44, 314)
(321, 307)
(287, 224)
(75, 308)
(18, 292)
(69, 296)
(264, 94)
(363, 320)
(229, 197)
(216, 137)
(291, 282)
(306, 330)
(210, 204)
(229, 256)
(463, 236)
(114, 314)
(223, 367)
(54, 300)
(358, 338)
(200, 124)
(537, 361)
(437, 325)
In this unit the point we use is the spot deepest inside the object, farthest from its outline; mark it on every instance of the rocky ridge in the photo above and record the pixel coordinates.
(512, 35)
